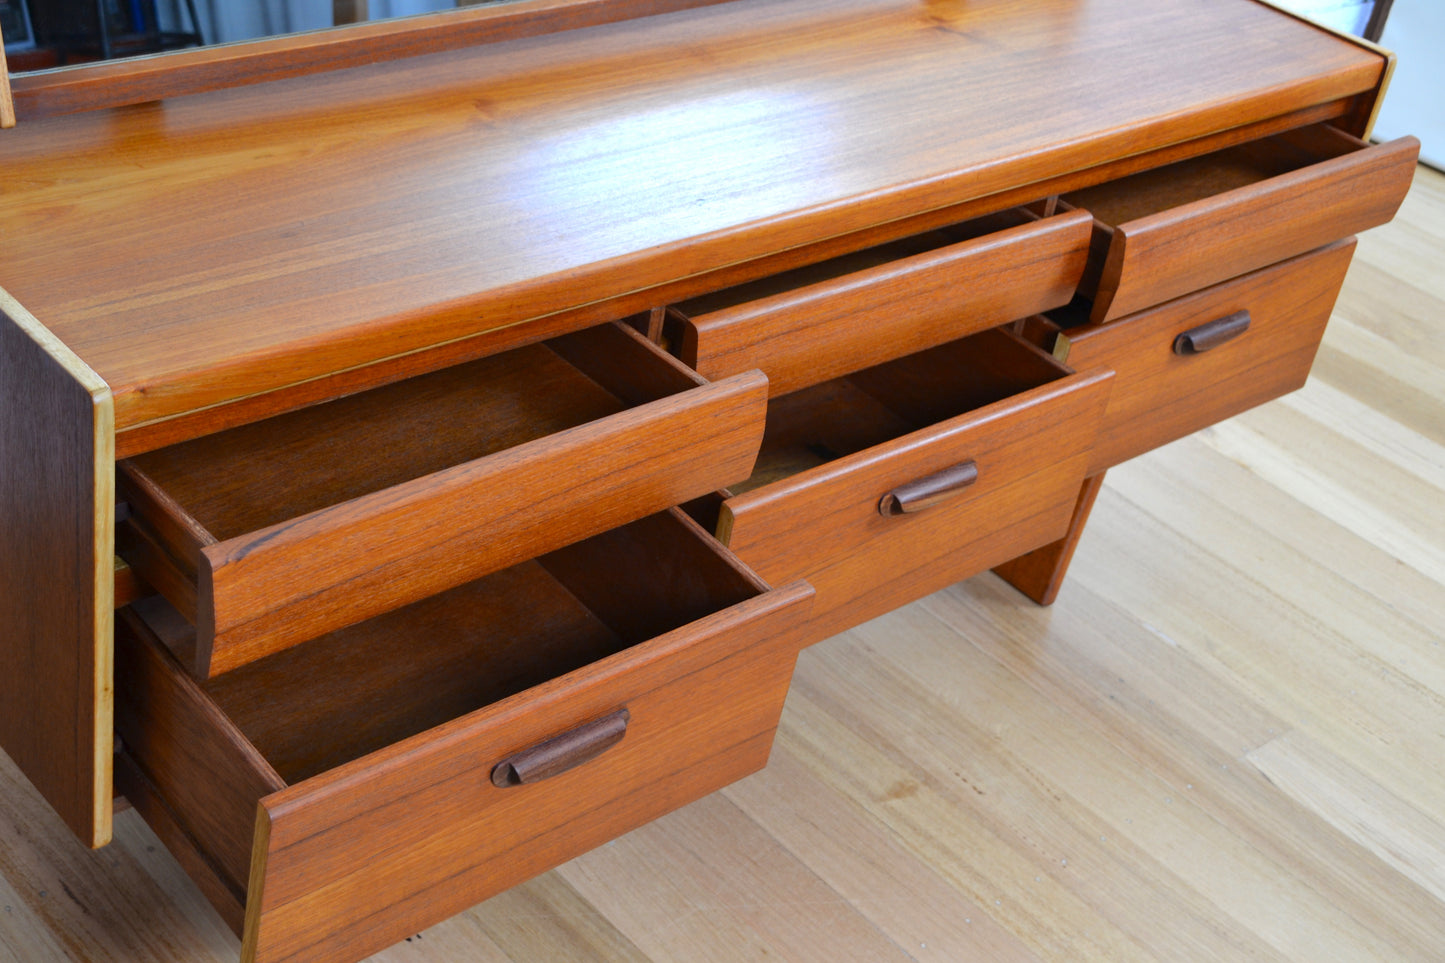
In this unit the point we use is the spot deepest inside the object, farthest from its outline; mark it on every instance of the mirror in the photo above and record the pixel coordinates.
(210, 51)
(42, 34)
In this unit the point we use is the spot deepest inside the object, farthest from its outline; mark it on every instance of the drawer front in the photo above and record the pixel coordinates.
(1180, 250)
(1161, 393)
(824, 330)
(363, 856)
(272, 586)
(388, 801)
(825, 525)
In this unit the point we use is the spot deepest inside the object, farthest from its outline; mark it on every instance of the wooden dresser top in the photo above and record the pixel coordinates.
(211, 247)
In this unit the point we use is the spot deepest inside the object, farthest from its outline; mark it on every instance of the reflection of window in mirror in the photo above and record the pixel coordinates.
(50, 33)
(1363, 18)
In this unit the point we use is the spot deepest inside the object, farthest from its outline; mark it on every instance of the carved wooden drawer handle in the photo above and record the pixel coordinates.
(560, 753)
(1213, 334)
(928, 491)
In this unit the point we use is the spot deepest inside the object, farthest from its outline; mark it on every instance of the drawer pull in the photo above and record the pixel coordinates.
(560, 753)
(1213, 334)
(928, 491)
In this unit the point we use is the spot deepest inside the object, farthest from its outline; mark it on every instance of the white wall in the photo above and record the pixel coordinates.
(1415, 103)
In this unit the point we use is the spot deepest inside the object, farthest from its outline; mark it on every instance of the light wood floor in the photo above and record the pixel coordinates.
(1225, 741)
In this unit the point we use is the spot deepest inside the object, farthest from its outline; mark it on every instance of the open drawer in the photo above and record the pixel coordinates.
(1167, 232)
(415, 764)
(276, 532)
(818, 322)
(1206, 357)
(893, 482)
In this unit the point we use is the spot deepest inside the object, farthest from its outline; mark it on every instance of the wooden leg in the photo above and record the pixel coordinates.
(1040, 573)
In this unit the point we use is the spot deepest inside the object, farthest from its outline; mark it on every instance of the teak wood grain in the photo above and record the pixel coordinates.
(152, 435)
(221, 892)
(184, 72)
(831, 327)
(358, 858)
(321, 520)
(1040, 573)
(207, 775)
(1029, 435)
(1175, 764)
(1159, 395)
(391, 821)
(477, 644)
(1161, 256)
(389, 209)
(57, 571)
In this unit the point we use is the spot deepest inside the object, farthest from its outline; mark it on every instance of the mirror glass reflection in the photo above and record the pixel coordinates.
(40, 34)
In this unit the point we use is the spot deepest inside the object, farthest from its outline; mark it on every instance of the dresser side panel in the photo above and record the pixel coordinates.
(56, 571)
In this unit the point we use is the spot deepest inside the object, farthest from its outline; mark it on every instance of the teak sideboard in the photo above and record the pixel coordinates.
(418, 472)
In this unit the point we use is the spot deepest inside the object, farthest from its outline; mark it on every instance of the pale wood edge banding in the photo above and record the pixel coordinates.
(1386, 75)
(103, 560)
(7, 102)
(255, 887)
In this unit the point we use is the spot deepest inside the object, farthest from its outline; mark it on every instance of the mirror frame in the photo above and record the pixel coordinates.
(116, 83)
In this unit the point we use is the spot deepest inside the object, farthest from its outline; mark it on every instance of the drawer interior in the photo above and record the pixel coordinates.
(247, 478)
(366, 762)
(816, 425)
(850, 263)
(1149, 192)
(269, 534)
(336, 698)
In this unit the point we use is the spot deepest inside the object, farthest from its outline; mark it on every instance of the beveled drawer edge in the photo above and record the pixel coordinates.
(811, 333)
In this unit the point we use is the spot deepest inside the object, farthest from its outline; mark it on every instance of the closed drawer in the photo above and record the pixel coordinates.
(340, 798)
(1167, 232)
(893, 482)
(1203, 358)
(276, 532)
(816, 323)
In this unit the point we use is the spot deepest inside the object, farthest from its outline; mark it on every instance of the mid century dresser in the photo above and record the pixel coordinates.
(426, 447)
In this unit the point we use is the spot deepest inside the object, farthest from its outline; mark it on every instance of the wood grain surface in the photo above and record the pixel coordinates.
(204, 770)
(1040, 573)
(152, 435)
(1160, 396)
(57, 571)
(829, 326)
(628, 606)
(1029, 435)
(182, 72)
(1246, 701)
(363, 855)
(296, 229)
(1162, 255)
(328, 516)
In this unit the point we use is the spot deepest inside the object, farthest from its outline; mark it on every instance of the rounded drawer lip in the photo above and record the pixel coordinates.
(1029, 442)
(1161, 395)
(1238, 210)
(873, 306)
(647, 434)
(361, 792)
